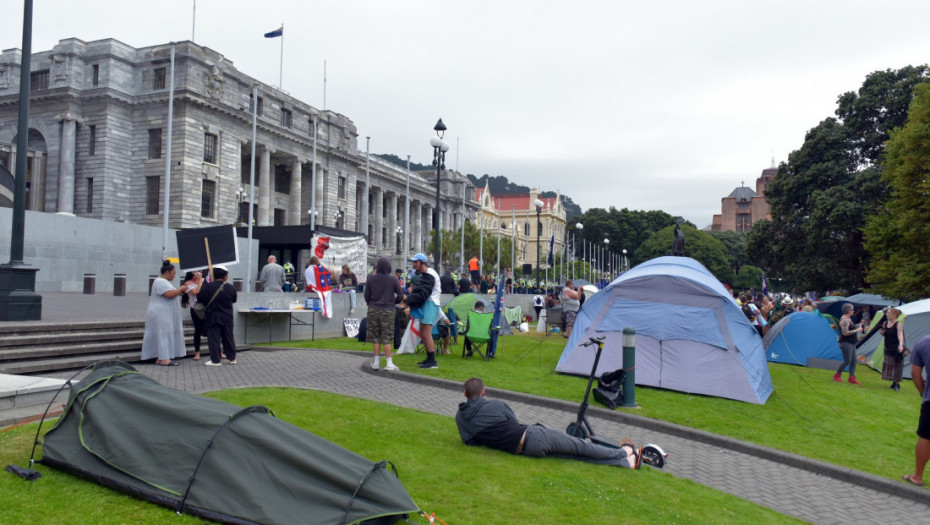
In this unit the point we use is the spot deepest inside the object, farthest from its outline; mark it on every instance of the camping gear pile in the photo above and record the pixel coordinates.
(213, 459)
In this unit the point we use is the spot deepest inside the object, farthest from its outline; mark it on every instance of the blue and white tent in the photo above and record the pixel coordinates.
(691, 336)
(797, 337)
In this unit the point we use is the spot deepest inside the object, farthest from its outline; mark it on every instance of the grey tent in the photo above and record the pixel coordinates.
(206, 457)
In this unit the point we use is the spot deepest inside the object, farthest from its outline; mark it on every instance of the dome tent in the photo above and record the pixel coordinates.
(799, 337)
(690, 334)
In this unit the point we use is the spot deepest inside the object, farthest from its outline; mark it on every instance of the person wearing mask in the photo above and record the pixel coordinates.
(164, 334)
(382, 293)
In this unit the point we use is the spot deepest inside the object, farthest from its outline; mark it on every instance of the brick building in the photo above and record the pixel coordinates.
(743, 207)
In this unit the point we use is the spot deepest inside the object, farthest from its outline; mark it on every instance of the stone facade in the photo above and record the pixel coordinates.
(99, 144)
(515, 215)
(743, 207)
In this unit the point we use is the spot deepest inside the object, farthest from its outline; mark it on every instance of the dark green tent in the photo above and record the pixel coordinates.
(206, 457)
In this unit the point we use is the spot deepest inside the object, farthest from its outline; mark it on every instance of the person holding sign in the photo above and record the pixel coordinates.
(164, 335)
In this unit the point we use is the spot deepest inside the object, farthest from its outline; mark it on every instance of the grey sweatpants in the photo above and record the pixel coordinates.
(849, 358)
(541, 442)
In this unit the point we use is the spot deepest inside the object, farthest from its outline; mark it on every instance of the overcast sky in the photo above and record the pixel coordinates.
(665, 105)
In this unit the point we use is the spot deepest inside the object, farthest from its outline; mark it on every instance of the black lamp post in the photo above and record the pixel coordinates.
(240, 194)
(440, 147)
(539, 204)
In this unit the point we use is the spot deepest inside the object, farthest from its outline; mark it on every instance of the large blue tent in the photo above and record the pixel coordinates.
(798, 337)
(691, 336)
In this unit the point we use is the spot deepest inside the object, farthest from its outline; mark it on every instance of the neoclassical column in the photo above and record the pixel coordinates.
(66, 164)
(392, 222)
(293, 202)
(427, 219)
(416, 225)
(378, 196)
(264, 187)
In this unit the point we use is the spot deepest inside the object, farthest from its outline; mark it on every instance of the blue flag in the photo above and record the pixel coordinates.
(276, 33)
(551, 246)
(765, 286)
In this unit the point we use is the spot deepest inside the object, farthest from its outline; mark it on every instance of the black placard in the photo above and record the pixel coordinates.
(192, 250)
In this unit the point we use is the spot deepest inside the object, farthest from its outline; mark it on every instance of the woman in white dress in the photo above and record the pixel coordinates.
(164, 334)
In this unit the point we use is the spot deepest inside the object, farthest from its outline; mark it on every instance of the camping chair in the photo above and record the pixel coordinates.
(438, 342)
(478, 333)
(553, 317)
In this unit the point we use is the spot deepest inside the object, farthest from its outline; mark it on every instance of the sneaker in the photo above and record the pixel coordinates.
(374, 366)
(838, 378)
(233, 362)
(211, 363)
(391, 368)
(429, 364)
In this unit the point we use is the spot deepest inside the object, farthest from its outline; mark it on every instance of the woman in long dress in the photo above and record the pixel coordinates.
(164, 334)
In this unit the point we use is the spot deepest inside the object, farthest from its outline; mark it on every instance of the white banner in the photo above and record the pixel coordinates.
(346, 250)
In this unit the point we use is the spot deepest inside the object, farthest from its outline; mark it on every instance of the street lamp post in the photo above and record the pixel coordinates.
(607, 258)
(313, 214)
(623, 263)
(240, 194)
(578, 228)
(440, 147)
(336, 217)
(539, 204)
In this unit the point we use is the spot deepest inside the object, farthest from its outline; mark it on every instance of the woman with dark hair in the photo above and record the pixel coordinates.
(893, 364)
(164, 335)
(849, 332)
(382, 293)
(193, 280)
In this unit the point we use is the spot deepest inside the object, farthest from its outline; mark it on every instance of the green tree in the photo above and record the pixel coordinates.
(626, 229)
(897, 236)
(748, 278)
(699, 245)
(822, 195)
(736, 248)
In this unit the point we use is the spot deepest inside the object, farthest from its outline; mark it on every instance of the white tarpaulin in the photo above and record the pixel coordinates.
(346, 250)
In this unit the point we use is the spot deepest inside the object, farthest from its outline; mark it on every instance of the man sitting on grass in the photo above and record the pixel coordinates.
(490, 422)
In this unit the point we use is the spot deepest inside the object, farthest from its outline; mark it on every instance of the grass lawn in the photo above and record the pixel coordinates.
(459, 484)
(808, 414)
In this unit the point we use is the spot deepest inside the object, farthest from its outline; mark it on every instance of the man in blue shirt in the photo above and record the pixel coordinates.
(919, 360)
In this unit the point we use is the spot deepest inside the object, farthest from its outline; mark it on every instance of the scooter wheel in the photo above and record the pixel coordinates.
(653, 456)
(576, 431)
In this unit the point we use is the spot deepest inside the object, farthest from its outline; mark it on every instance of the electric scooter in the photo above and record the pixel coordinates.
(581, 428)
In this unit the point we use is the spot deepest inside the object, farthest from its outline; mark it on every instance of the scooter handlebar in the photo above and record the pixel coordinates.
(594, 341)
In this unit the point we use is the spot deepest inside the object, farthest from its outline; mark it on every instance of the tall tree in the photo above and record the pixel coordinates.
(897, 236)
(821, 197)
(699, 245)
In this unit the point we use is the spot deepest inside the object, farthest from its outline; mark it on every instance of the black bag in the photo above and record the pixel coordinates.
(609, 391)
(200, 310)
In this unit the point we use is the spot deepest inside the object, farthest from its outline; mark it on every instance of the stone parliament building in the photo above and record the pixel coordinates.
(98, 146)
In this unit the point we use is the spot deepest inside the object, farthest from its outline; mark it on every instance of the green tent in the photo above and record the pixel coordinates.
(206, 457)
(462, 304)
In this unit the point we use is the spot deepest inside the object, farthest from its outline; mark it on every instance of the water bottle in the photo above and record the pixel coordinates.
(271, 305)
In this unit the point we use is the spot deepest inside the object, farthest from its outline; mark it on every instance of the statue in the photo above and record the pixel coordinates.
(678, 245)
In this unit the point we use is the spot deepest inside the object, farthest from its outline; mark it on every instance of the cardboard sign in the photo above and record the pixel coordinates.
(351, 326)
(192, 250)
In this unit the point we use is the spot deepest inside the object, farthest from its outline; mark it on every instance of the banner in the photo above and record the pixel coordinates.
(350, 251)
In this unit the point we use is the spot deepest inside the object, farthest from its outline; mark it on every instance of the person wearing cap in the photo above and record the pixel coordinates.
(423, 301)
(848, 337)
(219, 296)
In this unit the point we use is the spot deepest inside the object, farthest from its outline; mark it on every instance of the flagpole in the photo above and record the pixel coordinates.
(281, 61)
(194, 21)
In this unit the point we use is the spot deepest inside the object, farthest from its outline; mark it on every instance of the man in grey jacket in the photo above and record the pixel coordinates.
(272, 276)
(490, 422)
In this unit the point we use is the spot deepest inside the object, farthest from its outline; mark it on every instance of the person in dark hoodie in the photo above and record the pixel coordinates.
(382, 293)
(490, 422)
(447, 283)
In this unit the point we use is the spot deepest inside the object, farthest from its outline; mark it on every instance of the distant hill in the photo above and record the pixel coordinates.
(498, 185)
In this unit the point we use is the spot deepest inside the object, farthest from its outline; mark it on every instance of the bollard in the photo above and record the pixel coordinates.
(237, 284)
(629, 368)
(90, 283)
(119, 285)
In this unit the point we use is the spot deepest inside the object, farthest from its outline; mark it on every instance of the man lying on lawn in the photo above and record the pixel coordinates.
(490, 422)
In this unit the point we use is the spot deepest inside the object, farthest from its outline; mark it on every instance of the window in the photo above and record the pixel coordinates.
(209, 148)
(208, 197)
(92, 146)
(152, 185)
(159, 81)
(342, 188)
(526, 229)
(38, 80)
(278, 217)
(286, 118)
(95, 75)
(260, 105)
(155, 143)
(90, 195)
